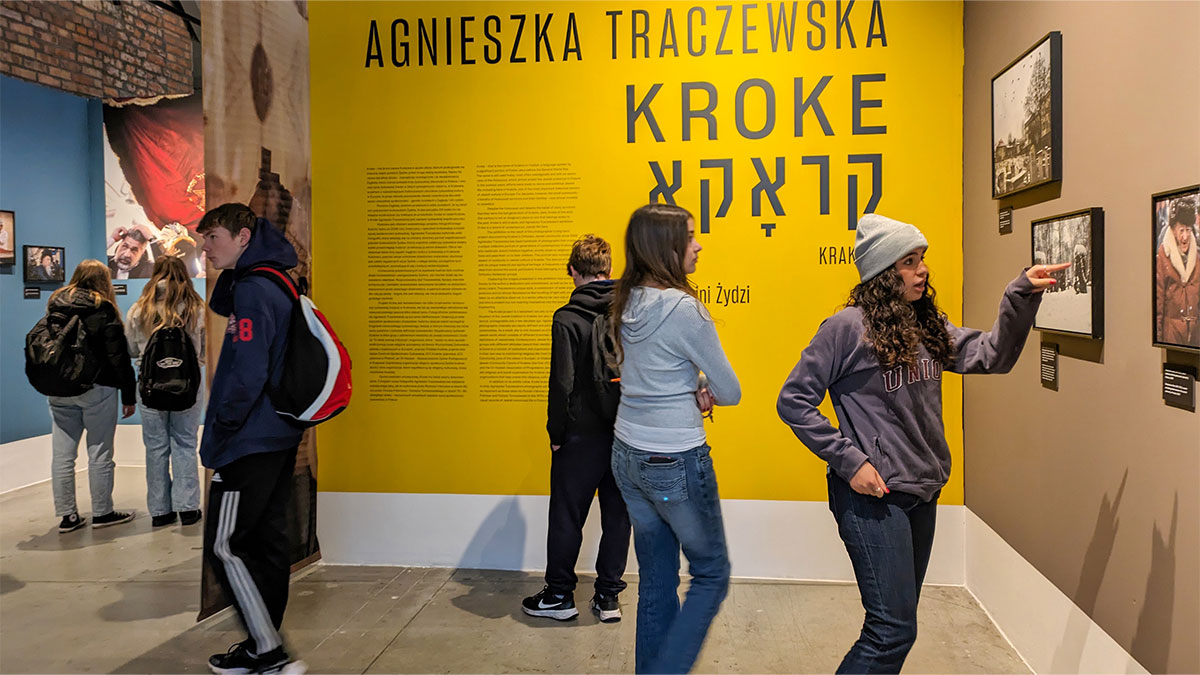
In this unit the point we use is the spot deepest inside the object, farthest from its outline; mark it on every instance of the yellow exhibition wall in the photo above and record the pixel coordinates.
(392, 96)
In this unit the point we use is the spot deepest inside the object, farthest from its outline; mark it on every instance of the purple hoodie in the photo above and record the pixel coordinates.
(893, 418)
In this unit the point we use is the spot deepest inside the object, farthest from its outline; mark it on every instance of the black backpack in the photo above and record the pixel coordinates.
(170, 375)
(57, 358)
(605, 373)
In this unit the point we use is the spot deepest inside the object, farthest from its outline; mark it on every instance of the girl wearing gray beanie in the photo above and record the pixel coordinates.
(880, 360)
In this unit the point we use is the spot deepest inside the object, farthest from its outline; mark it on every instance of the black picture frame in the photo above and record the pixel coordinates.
(1078, 237)
(36, 273)
(8, 238)
(1034, 158)
(1165, 276)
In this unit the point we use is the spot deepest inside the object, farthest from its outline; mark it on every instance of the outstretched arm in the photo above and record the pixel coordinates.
(997, 350)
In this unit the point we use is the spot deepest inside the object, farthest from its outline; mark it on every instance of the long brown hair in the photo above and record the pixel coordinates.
(656, 242)
(897, 328)
(173, 302)
(90, 276)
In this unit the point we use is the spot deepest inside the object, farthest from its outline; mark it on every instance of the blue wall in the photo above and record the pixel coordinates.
(52, 177)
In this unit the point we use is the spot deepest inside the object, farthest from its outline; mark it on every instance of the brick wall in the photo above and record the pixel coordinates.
(96, 48)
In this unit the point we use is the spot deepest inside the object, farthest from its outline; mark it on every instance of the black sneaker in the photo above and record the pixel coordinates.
(71, 523)
(189, 517)
(239, 660)
(551, 606)
(607, 607)
(164, 519)
(111, 518)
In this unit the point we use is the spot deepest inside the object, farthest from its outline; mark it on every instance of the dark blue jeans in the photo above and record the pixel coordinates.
(889, 540)
(672, 501)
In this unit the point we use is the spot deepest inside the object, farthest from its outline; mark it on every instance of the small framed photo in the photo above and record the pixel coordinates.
(45, 264)
(1075, 303)
(1027, 119)
(1175, 234)
(8, 238)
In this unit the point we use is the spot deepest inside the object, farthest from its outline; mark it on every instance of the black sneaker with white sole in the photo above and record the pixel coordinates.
(111, 518)
(71, 522)
(607, 607)
(551, 606)
(239, 660)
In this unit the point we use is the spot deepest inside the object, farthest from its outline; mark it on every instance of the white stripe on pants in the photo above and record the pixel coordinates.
(249, 600)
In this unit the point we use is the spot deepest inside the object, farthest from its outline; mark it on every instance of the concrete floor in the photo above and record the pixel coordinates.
(124, 599)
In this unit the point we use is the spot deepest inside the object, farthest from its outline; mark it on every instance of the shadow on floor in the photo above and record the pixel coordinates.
(148, 596)
(502, 535)
(9, 583)
(188, 652)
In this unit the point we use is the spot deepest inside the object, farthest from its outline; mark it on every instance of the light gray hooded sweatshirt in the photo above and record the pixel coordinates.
(668, 339)
(138, 340)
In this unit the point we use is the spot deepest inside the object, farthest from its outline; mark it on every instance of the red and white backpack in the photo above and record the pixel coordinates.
(315, 382)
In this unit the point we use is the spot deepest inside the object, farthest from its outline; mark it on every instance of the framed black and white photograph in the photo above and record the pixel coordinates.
(44, 264)
(1027, 119)
(1075, 303)
(8, 238)
(1175, 232)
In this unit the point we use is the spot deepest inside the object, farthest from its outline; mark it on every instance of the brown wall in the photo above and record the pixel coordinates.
(1095, 484)
(96, 49)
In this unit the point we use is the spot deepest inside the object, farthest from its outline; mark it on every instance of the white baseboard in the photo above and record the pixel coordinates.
(24, 462)
(27, 461)
(1045, 627)
(767, 539)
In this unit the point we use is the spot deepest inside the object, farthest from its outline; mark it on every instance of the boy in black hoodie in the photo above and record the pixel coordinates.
(251, 449)
(581, 440)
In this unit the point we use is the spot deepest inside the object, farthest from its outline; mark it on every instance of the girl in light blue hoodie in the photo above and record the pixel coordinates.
(660, 458)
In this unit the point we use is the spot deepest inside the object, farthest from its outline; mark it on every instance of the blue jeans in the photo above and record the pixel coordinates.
(889, 540)
(94, 411)
(673, 502)
(172, 473)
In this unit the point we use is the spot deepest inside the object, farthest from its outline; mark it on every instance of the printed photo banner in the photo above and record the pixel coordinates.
(155, 183)
(460, 148)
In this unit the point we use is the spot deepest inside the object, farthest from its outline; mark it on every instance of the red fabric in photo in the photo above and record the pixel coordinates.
(160, 148)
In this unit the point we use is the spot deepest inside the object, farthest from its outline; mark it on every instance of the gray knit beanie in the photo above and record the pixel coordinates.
(881, 241)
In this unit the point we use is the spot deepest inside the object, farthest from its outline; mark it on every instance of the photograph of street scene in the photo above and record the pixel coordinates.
(1026, 121)
(1070, 305)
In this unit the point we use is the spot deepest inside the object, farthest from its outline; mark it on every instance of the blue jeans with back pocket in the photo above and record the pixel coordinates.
(91, 417)
(172, 465)
(673, 503)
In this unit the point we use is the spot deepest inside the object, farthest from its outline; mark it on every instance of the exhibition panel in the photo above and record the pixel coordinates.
(459, 149)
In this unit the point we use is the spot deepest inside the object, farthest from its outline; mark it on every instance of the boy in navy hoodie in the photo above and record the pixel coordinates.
(250, 448)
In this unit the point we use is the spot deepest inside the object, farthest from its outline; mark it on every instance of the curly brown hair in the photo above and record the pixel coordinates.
(897, 328)
(591, 256)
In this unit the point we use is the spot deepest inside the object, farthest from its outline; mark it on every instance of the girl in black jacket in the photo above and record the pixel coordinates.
(90, 296)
